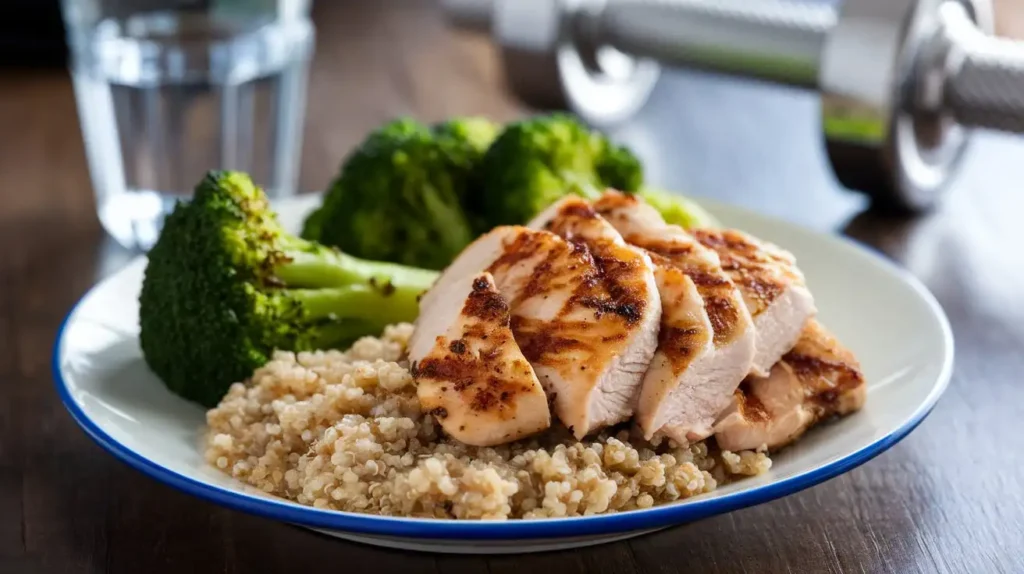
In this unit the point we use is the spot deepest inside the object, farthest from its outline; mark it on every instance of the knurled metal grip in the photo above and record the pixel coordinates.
(902, 82)
(886, 134)
(986, 77)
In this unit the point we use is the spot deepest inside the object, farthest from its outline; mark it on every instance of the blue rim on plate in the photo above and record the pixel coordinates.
(671, 514)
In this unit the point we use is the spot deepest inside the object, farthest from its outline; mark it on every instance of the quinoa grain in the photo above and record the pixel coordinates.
(344, 431)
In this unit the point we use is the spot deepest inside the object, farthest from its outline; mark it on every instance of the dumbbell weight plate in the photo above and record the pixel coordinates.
(550, 69)
(881, 58)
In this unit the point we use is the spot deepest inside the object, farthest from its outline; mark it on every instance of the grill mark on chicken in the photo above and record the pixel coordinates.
(603, 277)
(522, 247)
(627, 311)
(577, 210)
(541, 340)
(758, 287)
(579, 296)
(702, 278)
(485, 304)
(750, 405)
(622, 299)
(466, 376)
(535, 285)
(751, 267)
(817, 380)
(680, 345)
(603, 288)
(706, 342)
(826, 371)
(724, 316)
(485, 398)
(475, 381)
(461, 372)
(715, 290)
(550, 273)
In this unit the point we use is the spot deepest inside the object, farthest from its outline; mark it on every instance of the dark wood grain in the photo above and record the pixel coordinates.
(948, 498)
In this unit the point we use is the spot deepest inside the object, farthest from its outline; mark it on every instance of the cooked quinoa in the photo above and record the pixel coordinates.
(343, 430)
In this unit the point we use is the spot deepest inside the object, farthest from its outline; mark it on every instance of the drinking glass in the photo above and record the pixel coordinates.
(169, 89)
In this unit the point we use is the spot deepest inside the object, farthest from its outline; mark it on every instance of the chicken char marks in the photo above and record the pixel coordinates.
(773, 288)
(580, 317)
(816, 380)
(599, 313)
(474, 379)
(706, 340)
(593, 353)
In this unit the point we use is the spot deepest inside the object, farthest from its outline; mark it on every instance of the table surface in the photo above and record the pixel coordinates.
(948, 498)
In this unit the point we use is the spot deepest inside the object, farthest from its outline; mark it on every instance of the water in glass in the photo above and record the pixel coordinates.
(166, 95)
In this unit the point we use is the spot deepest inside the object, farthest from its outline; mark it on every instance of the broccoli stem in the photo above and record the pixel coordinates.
(373, 305)
(342, 333)
(330, 268)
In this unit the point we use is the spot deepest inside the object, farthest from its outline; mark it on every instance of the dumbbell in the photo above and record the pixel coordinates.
(902, 83)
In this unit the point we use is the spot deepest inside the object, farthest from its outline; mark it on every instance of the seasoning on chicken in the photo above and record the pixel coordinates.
(577, 322)
(816, 380)
(474, 380)
(522, 261)
(773, 288)
(596, 351)
(706, 340)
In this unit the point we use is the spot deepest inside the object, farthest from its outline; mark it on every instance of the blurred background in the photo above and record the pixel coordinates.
(375, 60)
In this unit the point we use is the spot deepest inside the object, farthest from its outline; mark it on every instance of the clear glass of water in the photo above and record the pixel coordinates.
(170, 89)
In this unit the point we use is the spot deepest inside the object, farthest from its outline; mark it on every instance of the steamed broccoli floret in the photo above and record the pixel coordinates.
(399, 195)
(226, 285)
(377, 143)
(465, 139)
(535, 162)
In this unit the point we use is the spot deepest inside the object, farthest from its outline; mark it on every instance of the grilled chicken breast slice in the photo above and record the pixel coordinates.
(816, 380)
(512, 253)
(474, 258)
(706, 340)
(567, 322)
(475, 380)
(773, 288)
(595, 352)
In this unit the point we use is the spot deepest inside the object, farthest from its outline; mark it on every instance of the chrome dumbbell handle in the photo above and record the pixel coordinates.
(901, 81)
(779, 41)
(782, 41)
(986, 80)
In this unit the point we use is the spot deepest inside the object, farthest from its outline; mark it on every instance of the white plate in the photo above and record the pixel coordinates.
(885, 316)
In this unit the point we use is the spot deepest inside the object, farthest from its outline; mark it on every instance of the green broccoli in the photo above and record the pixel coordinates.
(399, 196)
(225, 285)
(464, 141)
(536, 161)
(676, 209)
(386, 135)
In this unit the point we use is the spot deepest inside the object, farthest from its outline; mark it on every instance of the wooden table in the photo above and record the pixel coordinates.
(949, 498)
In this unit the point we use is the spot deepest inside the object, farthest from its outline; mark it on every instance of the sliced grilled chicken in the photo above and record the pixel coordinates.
(521, 260)
(595, 352)
(564, 317)
(475, 380)
(816, 380)
(773, 288)
(706, 340)
(476, 257)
